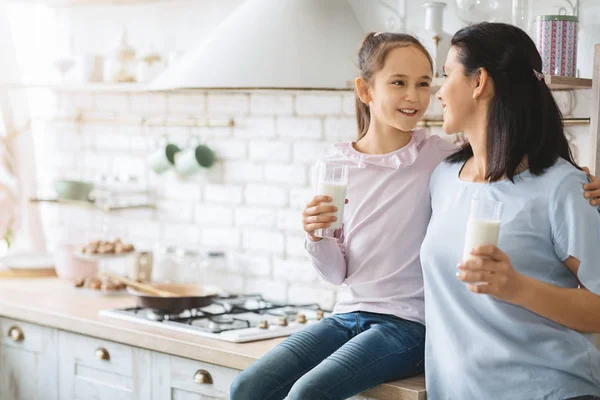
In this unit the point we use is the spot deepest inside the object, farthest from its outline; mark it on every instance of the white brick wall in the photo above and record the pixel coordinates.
(299, 128)
(270, 151)
(318, 104)
(241, 171)
(266, 195)
(223, 194)
(247, 128)
(264, 241)
(249, 204)
(248, 217)
(288, 175)
(213, 215)
(228, 104)
(268, 104)
(186, 104)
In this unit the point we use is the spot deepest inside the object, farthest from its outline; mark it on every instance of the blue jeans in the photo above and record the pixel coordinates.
(336, 358)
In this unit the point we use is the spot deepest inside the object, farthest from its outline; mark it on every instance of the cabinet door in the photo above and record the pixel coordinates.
(177, 378)
(28, 361)
(92, 368)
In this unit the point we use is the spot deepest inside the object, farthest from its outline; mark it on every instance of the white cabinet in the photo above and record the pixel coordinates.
(91, 368)
(177, 378)
(28, 361)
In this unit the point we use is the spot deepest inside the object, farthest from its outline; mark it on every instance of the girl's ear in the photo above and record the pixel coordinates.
(362, 89)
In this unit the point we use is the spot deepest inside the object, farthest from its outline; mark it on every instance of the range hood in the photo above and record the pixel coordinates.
(274, 44)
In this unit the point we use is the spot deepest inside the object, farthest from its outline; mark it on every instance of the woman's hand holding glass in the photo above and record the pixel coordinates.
(492, 270)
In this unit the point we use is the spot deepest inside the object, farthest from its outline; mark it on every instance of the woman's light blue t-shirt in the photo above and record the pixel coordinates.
(479, 347)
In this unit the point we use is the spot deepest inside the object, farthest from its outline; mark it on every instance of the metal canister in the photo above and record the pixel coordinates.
(141, 267)
(556, 40)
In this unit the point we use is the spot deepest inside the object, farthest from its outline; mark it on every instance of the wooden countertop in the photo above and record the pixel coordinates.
(58, 304)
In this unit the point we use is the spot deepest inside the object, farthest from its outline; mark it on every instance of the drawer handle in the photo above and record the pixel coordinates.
(203, 377)
(16, 334)
(102, 354)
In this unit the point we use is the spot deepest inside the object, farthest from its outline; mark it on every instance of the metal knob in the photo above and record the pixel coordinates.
(102, 354)
(320, 315)
(301, 318)
(282, 321)
(263, 325)
(203, 377)
(16, 334)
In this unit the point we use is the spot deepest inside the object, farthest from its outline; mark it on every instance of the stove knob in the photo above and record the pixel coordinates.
(263, 325)
(282, 321)
(301, 318)
(320, 315)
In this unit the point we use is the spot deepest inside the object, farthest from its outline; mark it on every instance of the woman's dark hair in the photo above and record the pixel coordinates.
(523, 119)
(371, 57)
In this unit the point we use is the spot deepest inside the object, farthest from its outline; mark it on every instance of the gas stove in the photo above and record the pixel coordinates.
(242, 318)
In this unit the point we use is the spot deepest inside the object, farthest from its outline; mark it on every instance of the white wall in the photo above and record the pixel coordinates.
(250, 203)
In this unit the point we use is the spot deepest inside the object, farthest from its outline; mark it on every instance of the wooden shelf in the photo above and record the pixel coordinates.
(81, 87)
(83, 3)
(431, 122)
(554, 82)
(92, 204)
(567, 83)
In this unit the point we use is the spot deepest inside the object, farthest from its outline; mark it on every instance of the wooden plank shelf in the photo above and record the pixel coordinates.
(91, 204)
(554, 82)
(567, 83)
(81, 87)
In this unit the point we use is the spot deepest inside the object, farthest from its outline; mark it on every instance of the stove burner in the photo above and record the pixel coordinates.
(221, 323)
(159, 315)
(233, 318)
(218, 322)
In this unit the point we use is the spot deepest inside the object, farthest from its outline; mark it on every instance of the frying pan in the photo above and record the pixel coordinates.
(185, 296)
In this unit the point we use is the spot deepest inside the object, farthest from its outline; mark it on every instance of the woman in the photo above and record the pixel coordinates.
(512, 321)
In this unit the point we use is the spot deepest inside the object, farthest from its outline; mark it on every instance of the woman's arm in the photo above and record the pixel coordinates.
(577, 309)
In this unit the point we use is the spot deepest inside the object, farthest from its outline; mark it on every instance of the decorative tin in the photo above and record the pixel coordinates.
(556, 40)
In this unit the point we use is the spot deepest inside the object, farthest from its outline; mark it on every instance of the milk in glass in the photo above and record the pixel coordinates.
(332, 181)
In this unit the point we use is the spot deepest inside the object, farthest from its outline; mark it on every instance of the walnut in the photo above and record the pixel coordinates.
(128, 248)
(93, 282)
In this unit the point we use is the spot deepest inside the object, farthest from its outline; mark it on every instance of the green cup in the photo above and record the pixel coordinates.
(164, 159)
(192, 161)
(73, 190)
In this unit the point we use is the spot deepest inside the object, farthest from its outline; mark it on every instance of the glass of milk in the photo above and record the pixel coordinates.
(332, 181)
(483, 225)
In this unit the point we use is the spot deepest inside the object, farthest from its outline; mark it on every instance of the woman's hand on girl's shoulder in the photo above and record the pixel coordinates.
(592, 189)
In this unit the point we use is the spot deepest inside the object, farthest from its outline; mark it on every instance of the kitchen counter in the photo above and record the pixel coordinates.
(58, 304)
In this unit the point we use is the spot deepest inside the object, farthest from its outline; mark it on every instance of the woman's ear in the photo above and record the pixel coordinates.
(483, 83)
(362, 89)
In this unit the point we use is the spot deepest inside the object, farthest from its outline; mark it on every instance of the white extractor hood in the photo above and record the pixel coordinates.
(274, 44)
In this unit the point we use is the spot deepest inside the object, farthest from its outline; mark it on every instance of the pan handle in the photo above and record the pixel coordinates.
(202, 376)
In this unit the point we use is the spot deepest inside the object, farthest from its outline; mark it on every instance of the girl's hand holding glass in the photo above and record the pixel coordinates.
(316, 216)
(492, 269)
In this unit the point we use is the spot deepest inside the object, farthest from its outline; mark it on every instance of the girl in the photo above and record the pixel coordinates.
(524, 332)
(376, 333)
